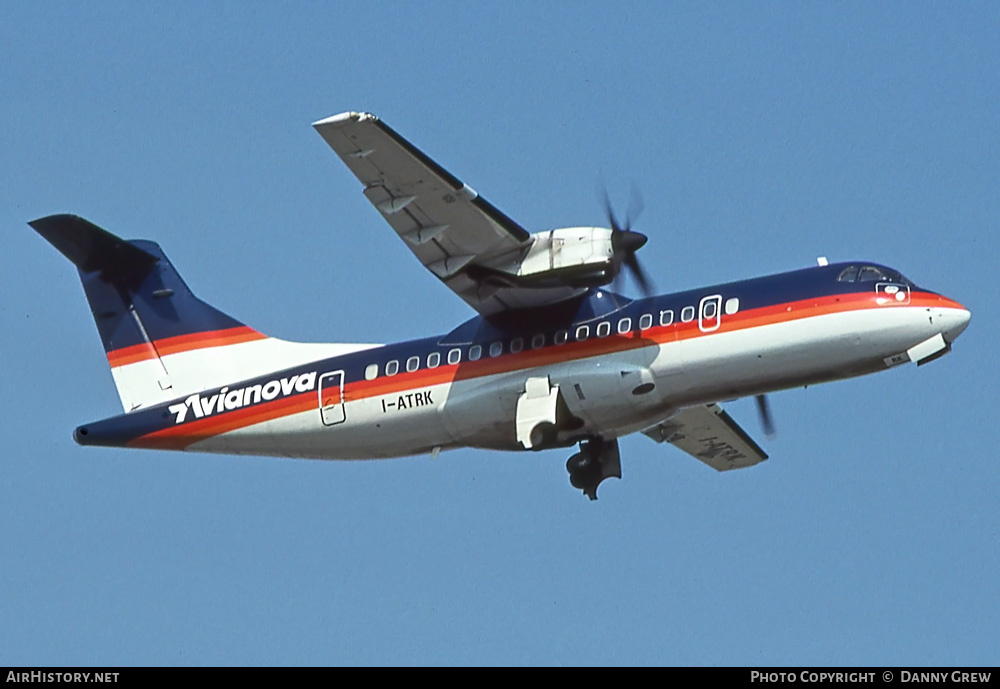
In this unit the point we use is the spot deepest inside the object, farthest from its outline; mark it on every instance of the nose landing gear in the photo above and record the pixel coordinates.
(597, 460)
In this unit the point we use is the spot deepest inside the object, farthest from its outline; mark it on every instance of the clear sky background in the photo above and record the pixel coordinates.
(761, 136)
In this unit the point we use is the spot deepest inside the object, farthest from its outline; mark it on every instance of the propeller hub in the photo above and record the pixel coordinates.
(629, 241)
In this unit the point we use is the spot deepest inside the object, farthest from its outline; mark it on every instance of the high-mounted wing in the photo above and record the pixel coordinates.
(709, 435)
(445, 223)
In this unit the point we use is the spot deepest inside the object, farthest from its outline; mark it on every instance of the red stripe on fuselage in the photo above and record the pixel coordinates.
(179, 436)
(182, 435)
(182, 343)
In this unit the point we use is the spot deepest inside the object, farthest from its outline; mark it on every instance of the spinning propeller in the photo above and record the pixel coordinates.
(625, 242)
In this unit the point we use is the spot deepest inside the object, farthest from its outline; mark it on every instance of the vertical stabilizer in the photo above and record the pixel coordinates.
(162, 342)
(143, 310)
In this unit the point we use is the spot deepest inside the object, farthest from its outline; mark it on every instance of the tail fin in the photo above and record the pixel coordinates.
(162, 342)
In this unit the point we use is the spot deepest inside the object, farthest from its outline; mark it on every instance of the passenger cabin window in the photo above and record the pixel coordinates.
(454, 356)
(645, 321)
(475, 351)
(392, 368)
(687, 314)
(603, 329)
(496, 349)
(371, 373)
(538, 341)
(667, 317)
(433, 360)
(732, 305)
(412, 364)
(582, 333)
(516, 345)
(624, 325)
(561, 337)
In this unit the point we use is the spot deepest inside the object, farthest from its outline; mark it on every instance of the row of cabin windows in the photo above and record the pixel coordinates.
(560, 338)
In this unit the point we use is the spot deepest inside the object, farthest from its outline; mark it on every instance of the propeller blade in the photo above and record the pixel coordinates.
(635, 206)
(610, 212)
(645, 284)
(764, 409)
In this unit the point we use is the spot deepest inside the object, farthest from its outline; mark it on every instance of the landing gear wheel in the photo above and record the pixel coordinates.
(585, 473)
(579, 463)
(597, 460)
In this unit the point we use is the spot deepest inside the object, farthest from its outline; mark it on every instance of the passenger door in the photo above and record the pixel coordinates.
(331, 398)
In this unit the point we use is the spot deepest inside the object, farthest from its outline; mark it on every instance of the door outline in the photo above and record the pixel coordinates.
(710, 324)
(331, 398)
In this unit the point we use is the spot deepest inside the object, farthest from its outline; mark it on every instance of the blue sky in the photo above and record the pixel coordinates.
(761, 136)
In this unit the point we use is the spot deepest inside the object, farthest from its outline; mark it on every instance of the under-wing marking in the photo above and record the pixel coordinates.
(709, 435)
(444, 222)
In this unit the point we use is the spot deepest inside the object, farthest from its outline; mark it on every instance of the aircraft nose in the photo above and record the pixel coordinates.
(954, 321)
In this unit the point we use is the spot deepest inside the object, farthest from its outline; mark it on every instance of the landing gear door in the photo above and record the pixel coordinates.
(710, 313)
(331, 398)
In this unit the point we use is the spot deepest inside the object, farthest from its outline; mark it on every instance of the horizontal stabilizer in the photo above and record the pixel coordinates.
(92, 249)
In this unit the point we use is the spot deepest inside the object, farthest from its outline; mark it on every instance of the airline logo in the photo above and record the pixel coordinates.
(202, 405)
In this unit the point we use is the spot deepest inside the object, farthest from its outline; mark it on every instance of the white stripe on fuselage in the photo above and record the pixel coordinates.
(212, 367)
(711, 367)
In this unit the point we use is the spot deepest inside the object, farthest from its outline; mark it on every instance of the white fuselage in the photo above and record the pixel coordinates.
(474, 403)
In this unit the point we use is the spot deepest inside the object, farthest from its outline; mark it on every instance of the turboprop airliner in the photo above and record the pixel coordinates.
(554, 357)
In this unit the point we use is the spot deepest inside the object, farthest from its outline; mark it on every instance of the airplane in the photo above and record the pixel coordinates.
(553, 359)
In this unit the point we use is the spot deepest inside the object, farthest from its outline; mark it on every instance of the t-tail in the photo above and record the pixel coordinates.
(162, 342)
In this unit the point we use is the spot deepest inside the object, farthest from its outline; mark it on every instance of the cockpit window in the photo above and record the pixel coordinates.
(871, 274)
(905, 280)
(849, 274)
(867, 274)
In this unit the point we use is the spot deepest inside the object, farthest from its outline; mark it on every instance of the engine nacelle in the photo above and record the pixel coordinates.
(569, 256)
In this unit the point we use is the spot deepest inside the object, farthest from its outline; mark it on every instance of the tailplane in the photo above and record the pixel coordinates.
(161, 341)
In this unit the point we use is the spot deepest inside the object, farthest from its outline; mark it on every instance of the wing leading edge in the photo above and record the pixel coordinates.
(444, 222)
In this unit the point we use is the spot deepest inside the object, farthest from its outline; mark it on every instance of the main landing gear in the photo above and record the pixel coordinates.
(597, 460)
